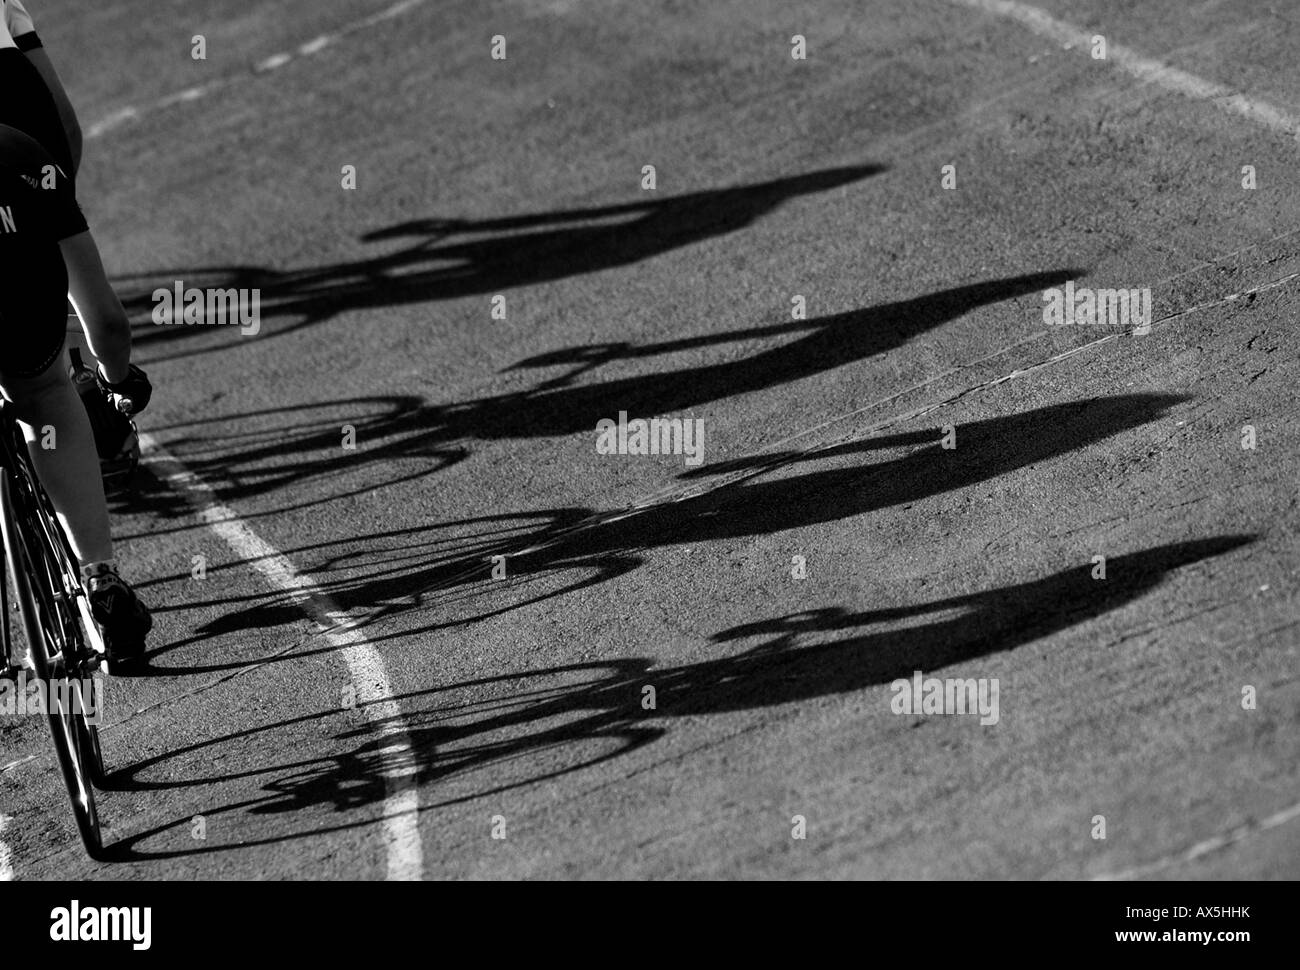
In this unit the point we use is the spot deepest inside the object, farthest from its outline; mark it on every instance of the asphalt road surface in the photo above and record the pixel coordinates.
(686, 666)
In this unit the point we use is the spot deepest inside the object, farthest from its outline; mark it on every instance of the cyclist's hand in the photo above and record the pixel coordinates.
(129, 396)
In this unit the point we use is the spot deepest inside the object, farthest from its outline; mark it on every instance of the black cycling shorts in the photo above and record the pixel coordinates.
(33, 313)
(33, 218)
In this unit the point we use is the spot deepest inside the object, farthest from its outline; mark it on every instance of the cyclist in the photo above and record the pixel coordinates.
(46, 255)
(45, 113)
(36, 105)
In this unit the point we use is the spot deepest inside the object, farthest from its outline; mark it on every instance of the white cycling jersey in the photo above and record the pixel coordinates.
(17, 29)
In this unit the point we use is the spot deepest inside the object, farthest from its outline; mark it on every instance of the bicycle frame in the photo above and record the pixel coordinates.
(14, 462)
(62, 638)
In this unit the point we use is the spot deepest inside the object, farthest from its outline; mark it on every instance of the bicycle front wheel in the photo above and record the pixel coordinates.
(41, 624)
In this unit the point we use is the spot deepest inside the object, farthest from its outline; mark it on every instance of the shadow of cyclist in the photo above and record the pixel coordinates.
(453, 257)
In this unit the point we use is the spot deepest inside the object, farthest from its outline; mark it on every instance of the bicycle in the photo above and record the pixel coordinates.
(63, 642)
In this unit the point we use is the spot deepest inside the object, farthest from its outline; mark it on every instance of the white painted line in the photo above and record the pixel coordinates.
(396, 10)
(1215, 843)
(313, 46)
(112, 121)
(6, 857)
(365, 666)
(274, 62)
(189, 94)
(1142, 67)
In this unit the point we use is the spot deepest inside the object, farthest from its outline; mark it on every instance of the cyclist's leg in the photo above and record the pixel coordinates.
(62, 448)
(44, 402)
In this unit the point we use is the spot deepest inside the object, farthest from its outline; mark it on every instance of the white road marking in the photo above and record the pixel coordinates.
(112, 121)
(1142, 67)
(313, 46)
(1042, 23)
(1213, 844)
(6, 857)
(189, 94)
(275, 61)
(396, 10)
(365, 666)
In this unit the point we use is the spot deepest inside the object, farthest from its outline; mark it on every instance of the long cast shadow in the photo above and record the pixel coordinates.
(412, 570)
(243, 463)
(282, 447)
(831, 342)
(486, 257)
(508, 719)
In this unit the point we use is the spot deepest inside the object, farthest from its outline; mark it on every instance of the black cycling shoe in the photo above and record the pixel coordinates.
(123, 619)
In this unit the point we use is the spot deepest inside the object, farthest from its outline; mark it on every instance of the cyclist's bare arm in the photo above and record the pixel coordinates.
(67, 114)
(102, 316)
